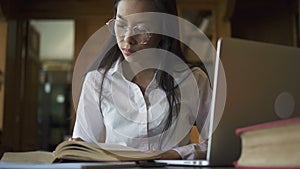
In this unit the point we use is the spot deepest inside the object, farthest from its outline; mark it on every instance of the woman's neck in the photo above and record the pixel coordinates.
(143, 78)
(136, 74)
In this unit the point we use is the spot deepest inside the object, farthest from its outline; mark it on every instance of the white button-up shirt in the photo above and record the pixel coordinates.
(128, 117)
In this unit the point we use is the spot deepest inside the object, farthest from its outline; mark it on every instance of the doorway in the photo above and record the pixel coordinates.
(55, 75)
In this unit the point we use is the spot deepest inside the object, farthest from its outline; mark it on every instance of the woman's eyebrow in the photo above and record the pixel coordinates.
(142, 21)
(121, 17)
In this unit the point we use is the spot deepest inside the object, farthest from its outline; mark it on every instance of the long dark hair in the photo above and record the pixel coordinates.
(165, 80)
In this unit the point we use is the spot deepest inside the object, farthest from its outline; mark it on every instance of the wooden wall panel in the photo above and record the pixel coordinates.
(272, 21)
(54, 9)
(3, 35)
(13, 88)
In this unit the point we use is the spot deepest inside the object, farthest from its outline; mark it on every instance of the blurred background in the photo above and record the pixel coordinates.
(41, 39)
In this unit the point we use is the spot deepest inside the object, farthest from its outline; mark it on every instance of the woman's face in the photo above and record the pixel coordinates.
(132, 32)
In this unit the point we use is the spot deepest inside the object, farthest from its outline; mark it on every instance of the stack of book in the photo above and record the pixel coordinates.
(270, 145)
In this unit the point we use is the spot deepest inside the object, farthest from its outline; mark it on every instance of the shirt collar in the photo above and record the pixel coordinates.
(116, 67)
(180, 72)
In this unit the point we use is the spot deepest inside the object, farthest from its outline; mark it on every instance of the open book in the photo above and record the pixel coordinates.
(81, 151)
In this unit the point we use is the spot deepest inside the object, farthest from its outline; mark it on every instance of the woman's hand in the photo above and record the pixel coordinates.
(170, 155)
(75, 139)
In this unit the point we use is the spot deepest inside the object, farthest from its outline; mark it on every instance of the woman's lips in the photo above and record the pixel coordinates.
(127, 52)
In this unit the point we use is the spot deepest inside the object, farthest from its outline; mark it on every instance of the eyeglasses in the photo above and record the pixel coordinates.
(140, 32)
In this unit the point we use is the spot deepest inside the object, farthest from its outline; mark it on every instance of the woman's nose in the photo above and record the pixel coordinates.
(129, 37)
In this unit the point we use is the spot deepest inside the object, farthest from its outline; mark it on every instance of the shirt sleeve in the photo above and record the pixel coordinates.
(199, 150)
(89, 124)
(192, 151)
(205, 94)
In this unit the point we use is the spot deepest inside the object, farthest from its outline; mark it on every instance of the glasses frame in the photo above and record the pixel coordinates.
(146, 36)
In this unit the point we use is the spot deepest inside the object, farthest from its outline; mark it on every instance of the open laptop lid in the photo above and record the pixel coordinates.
(262, 84)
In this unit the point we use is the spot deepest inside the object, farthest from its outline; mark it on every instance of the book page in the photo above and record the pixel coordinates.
(28, 157)
(101, 152)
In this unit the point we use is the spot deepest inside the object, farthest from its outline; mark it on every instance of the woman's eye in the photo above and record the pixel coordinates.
(121, 26)
(140, 29)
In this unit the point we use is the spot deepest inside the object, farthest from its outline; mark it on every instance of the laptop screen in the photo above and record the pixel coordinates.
(259, 83)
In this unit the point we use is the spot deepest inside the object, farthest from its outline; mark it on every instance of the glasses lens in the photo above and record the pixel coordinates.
(119, 28)
(143, 39)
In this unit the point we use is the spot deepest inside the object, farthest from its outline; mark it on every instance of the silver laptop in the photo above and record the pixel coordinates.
(256, 82)
(262, 85)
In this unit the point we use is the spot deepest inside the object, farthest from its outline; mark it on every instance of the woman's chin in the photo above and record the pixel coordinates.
(133, 58)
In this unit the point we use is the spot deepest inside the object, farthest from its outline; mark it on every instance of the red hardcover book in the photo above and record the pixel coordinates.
(270, 145)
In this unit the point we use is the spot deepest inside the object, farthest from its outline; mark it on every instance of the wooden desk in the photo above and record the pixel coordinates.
(89, 166)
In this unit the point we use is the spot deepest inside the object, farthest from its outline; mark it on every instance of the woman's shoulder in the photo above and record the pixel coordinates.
(94, 75)
(201, 77)
(199, 72)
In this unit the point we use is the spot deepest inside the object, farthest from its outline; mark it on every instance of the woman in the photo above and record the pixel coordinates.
(141, 109)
